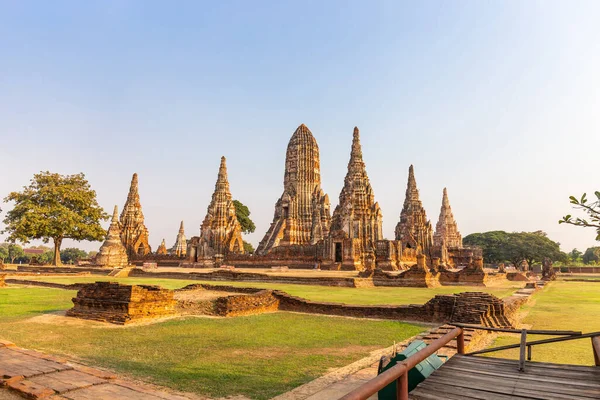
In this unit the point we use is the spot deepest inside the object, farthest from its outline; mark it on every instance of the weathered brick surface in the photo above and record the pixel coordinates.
(30, 389)
(122, 304)
(257, 303)
(31, 374)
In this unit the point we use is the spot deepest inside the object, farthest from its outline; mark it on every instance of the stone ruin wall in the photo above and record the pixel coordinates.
(257, 303)
(226, 275)
(122, 304)
(2, 282)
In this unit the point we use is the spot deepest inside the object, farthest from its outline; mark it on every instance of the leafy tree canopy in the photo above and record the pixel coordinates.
(14, 251)
(500, 246)
(3, 254)
(71, 255)
(248, 248)
(592, 209)
(575, 255)
(243, 216)
(591, 255)
(55, 207)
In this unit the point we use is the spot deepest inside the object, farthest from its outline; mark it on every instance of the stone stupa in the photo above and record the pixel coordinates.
(112, 253)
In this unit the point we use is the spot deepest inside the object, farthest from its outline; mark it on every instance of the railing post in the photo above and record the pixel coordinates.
(528, 353)
(460, 342)
(402, 386)
(596, 349)
(522, 350)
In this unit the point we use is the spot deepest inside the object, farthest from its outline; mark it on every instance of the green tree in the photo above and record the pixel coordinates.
(55, 207)
(248, 248)
(493, 245)
(575, 255)
(3, 254)
(14, 251)
(71, 255)
(242, 214)
(499, 246)
(92, 254)
(592, 209)
(591, 255)
(536, 246)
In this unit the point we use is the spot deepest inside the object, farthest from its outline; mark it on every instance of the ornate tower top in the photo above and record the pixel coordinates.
(134, 233)
(113, 230)
(446, 229)
(357, 187)
(180, 247)
(414, 229)
(357, 213)
(302, 213)
(220, 230)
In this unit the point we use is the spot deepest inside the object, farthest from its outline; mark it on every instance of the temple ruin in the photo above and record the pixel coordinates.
(220, 232)
(179, 249)
(446, 229)
(414, 229)
(112, 253)
(122, 304)
(302, 213)
(356, 224)
(162, 249)
(134, 233)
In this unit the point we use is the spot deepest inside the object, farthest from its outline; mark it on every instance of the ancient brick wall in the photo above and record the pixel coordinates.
(226, 275)
(62, 270)
(297, 304)
(73, 286)
(2, 282)
(468, 308)
(250, 304)
(122, 304)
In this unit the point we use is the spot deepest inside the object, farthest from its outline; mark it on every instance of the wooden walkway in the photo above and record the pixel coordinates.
(473, 377)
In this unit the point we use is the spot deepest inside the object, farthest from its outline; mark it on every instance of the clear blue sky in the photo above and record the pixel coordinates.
(497, 100)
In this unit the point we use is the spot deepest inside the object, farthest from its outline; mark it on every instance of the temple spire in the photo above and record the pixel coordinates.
(162, 249)
(220, 232)
(414, 230)
(115, 217)
(134, 233)
(356, 153)
(412, 182)
(302, 213)
(446, 229)
(445, 201)
(180, 247)
(358, 215)
(112, 252)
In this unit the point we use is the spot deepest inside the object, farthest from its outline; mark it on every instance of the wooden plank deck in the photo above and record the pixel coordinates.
(473, 377)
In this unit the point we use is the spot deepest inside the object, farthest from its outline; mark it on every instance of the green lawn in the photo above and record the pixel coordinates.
(561, 306)
(257, 356)
(377, 295)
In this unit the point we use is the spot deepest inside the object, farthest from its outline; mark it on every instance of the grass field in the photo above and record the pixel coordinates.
(257, 356)
(565, 306)
(378, 295)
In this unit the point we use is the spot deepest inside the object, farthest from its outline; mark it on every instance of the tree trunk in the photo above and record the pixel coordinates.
(56, 259)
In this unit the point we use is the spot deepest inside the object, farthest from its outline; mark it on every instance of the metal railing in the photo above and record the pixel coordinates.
(399, 372)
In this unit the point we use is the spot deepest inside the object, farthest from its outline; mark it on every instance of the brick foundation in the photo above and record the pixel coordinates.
(122, 304)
